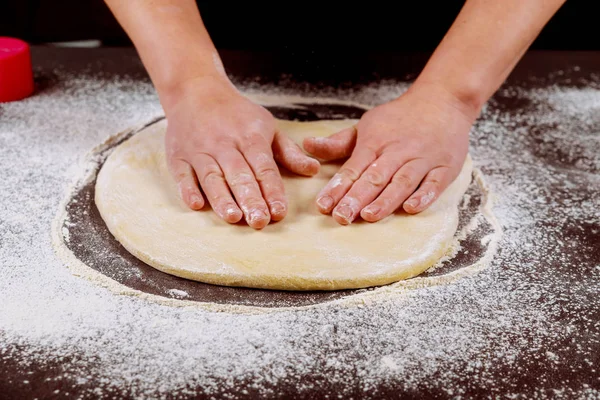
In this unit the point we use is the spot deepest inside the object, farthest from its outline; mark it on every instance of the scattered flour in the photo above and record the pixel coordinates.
(181, 294)
(507, 330)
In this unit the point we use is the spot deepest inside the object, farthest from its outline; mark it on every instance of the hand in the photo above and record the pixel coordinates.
(402, 154)
(223, 143)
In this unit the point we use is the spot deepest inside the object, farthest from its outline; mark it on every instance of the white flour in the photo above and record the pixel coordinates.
(450, 339)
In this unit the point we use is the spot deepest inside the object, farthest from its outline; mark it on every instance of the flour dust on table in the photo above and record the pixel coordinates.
(526, 326)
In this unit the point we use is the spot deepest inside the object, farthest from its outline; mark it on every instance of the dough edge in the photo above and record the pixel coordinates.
(296, 283)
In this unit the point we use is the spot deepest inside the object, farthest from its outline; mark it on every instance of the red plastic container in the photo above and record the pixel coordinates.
(16, 73)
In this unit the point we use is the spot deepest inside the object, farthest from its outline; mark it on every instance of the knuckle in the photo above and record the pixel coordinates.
(374, 178)
(434, 182)
(253, 203)
(188, 187)
(404, 180)
(272, 188)
(349, 173)
(221, 142)
(176, 163)
(266, 171)
(212, 173)
(373, 147)
(180, 176)
(254, 139)
(263, 158)
(386, 203)
(350, 201)
(220, 199)
(242, 179)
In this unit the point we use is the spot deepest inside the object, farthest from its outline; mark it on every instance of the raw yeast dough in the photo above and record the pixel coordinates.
(140, 204)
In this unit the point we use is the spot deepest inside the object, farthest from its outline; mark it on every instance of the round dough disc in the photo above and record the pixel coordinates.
(140, 203)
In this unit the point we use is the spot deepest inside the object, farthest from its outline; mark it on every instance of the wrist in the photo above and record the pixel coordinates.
(468, 101)
(209, 86)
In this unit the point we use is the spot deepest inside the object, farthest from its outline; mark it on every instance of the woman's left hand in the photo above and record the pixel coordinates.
(403, 153)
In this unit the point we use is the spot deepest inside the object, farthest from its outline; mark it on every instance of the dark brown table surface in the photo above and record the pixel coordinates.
(324, 70)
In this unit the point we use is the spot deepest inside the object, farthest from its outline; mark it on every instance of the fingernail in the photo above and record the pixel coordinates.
(232, 211)
(256, 215)
(413, 203)
(311, 162)
(428, 198)
(195, 200)
(277, 207)
(345, 213)
(373, 210)
(325, 203)
(312, 167)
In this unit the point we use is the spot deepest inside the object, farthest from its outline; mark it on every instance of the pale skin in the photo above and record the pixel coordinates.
(225, 150)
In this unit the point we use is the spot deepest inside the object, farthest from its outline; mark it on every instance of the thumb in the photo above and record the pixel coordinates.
(287, 153)
(338, 145)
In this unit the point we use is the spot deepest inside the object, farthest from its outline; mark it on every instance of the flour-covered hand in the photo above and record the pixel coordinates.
(221, 143)
(403, 153)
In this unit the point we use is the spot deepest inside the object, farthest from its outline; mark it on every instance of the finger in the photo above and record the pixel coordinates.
(215, 188)
(434, 184)
(267, 174)
(341, 182)
(336, 146)
(245, 189)
(290, 156)
(184, 175)
(404, 182)
(366, 189)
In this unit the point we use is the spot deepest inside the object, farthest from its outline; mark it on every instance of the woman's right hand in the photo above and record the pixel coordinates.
(222, 144)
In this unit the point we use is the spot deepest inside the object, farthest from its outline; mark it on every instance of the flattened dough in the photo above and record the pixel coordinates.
(140, 204)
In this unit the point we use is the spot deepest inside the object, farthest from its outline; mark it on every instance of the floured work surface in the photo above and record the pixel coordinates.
(90, 241)
(526, 326)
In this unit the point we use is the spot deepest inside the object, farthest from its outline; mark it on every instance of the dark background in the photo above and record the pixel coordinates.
(292, 26)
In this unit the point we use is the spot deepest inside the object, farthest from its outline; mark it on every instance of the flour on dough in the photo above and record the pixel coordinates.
(140, 203)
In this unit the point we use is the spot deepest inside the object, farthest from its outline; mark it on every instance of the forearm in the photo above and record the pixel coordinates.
(172, 41)
(483, 45)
